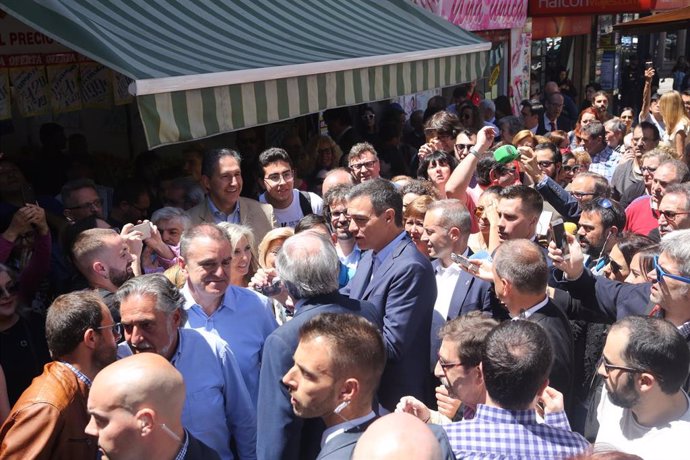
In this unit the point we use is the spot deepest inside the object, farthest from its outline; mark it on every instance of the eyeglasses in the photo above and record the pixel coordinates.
(648, 169)
(95, 204)
(445, 366)
(115, 328)
(287, 176)
(580, 195)
(573, 168)
(545, 163)
(9, 289)
(336, 215)
(462, 147)
(671, 215)
(364, 164)
(610, 367)
(369, 116)
(661, 273)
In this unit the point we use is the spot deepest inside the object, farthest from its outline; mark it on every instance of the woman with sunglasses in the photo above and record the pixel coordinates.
(479, 242)
(620, 258)
(437, 169)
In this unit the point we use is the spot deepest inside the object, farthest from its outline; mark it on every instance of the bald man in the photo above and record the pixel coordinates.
(135, 406)
(398, 436)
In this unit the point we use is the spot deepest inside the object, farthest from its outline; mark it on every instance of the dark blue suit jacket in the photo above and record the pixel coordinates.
(470, 294)
(403, 289)
(281, 434)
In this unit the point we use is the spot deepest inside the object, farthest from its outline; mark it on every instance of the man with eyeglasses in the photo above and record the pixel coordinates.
(642, 213)
(666, 296)
(364, 162)
(131, 203)
(345, 243)
(643, 409)
(49, 419)
(278, 180)
(80, 199)
(219, 410)
(553, 118)
(628, 177)
(600, 225)
(674, 209)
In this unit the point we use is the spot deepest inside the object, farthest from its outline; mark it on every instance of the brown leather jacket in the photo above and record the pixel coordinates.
(48, 420)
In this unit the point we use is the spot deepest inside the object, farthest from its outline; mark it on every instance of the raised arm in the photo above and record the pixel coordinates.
(462, 175)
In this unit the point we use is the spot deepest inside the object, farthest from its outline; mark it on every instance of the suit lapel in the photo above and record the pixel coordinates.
(386, 265)
(359, 281)
(462, 287)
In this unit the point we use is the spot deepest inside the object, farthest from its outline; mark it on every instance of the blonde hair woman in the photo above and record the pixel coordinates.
(243, 264)
(271, 244)
(676, 122)
(525, 137)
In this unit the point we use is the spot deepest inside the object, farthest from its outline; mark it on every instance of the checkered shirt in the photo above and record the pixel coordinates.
(605, 162)
(496, 433)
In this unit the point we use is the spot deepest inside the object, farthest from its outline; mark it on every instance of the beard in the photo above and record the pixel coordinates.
(626, 396)
(104, 355)
(119, 277)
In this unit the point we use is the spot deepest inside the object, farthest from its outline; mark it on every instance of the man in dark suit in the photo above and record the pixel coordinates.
(135, 406)
(338, 365)
(308, 266)
(400, 282)
(553, 118)
(520, 276)
(446, 230)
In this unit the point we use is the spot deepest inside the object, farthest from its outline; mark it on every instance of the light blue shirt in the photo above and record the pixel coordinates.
(217, 404)
(386, 252)
(351, 261)
(219, 216)
(244, 319)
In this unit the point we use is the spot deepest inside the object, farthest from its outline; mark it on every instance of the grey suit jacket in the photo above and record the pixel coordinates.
(342, 446)
(256, 215)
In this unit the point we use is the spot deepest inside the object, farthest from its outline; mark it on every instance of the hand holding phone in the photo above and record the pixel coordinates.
(144, 228)
(558, 230)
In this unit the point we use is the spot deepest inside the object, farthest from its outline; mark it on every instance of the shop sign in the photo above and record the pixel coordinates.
(479, 14)
(28, 77)
(568, 7)
(561, 26)
(18, 38)
(63, 76)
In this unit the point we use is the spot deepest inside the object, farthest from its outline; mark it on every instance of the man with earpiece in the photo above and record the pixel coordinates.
(338, 365)
(601, 223)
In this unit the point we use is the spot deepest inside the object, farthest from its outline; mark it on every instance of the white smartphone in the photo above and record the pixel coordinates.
(144, 228)
(464, 262)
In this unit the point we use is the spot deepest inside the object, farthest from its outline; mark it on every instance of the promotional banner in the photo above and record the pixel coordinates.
(96, 85)
(479, 14)
(28, 77)
(63, 76)
(519, 64)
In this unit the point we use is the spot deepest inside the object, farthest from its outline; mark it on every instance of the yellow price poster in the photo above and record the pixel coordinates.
(5, 103)
(96, 85)
(63, 76)
(28, 77)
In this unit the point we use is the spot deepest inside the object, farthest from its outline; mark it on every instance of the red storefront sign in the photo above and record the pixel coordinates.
(569, 7)
(479, 14)
(560, 26)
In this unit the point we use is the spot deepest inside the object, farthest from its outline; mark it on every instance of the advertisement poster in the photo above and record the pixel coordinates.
(28, 77)
(63, 77)
(519, 65)
(96, 85)
(479, 14)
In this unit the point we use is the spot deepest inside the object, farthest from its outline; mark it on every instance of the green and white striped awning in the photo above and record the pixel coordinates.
(205, 67)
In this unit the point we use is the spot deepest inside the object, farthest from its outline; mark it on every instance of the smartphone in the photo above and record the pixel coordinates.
(648, 64)
(558, 230)
(144, 228)
(464, 262)
(272, 289)
(28, 195)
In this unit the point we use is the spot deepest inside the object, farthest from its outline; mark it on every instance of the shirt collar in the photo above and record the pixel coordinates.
(335, 430)
(80, 375)
(234, 216)
(178, 350)
(183, 450)
(499, 415)
(388, 249)
(532, 310)
(189, 301)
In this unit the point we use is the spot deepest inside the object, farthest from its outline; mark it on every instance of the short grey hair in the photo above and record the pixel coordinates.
(308, 265)
(676, 245)
(453, 214)
(172, 213)
(487, 104)
(595, 129)
(72, 186)
(616, 125)
(522, 263)
(358, 149)
(156, 285)
(514, 124)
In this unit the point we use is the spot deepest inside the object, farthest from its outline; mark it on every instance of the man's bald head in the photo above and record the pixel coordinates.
(335, 177)
(144, 380)
(397, 436)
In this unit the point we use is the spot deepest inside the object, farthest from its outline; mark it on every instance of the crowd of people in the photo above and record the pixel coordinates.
(465, 283)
